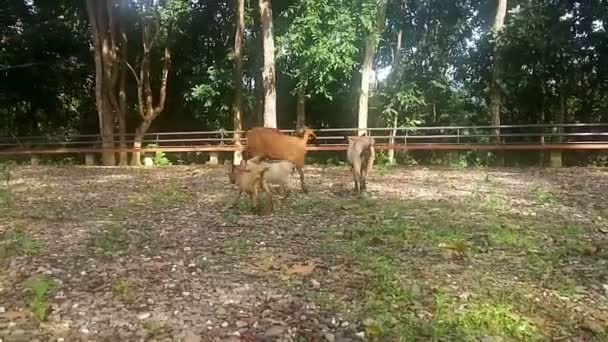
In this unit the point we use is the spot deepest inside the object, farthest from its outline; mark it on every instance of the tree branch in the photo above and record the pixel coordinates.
(132, 70)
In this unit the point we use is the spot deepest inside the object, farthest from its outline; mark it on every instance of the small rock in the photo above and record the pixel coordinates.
(224, 324)
(2, 309)
(329, 337)
(344, 324)
(333, 322)
(144, 315)
(368, 322)
(274, 331)
(593, 326)
(315, 283)
(492, 339)
(150, 301)
(303, 318)
(84, 330)
(190, 336)
(361, 335)
(232, 339)
(241, 324)
(605, 286)
(60, 339)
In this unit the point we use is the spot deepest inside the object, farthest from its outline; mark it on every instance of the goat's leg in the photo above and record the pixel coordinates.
(267, 190)
(232, 204)
(301, 171)
(363, 181)
(286, 191)
(356, 176)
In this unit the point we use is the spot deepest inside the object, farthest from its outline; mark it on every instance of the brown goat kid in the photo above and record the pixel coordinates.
(361, 156)
(250, 179)
(270, 143)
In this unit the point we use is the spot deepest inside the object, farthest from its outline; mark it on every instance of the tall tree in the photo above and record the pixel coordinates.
(371, 42)
(395, 69)
(268, 73)
(157, 28)
(317, 49)
(237, 107)
(101, 22)
(495, 88)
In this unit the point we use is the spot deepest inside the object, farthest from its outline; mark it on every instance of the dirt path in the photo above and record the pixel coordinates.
(155, 254)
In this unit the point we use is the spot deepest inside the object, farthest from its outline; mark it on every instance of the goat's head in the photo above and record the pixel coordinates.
(306, 133)
(232, 174)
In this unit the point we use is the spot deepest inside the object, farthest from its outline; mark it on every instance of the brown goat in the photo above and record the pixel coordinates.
(361, 156)
(271, 144)
(250, 179)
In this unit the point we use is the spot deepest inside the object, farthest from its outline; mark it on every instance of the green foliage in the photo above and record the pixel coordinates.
(318, 48)
(121, 287)
(160, 158)
(18, 241)
(110, 240)
(39, 304)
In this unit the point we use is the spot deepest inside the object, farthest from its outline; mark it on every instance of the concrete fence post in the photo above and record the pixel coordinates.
(34, 160)
(556, 158)
(214, 158)
(89, 159)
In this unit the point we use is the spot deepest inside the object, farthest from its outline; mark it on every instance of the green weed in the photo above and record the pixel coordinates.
(18, 241)
(39, 304)
(121, 288)
(543, 196)
(110, 240)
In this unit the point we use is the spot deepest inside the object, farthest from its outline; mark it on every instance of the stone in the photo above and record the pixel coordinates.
(144, 315)
(329, 337)
(593, 326)
(241, 324)
(492, 339)
(274, 331)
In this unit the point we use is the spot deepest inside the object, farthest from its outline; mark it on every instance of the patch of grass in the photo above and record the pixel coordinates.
(6, 197)
(388, 302)
(512, 236)
(240, 244)
(39, 305)
(170, 192)
(543, 196)
(492, 319)
(122, 287)
(18, 241)
(110, 240)
(153, 328)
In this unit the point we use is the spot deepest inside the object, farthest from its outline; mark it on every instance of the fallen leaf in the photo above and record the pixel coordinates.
(375, 241)
(302, 270)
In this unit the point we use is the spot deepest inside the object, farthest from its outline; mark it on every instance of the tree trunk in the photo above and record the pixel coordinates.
(122, 91)
(391, 141)
(371, 41)
(259, 100)
(98, 24)
(541, 156)
(138, 139)
(495, 91)
(396, 63)
(145, 98)
(268, 74)
(301, 109)
(238, 79)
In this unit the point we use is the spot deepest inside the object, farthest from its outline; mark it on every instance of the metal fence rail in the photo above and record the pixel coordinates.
(574, 136)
